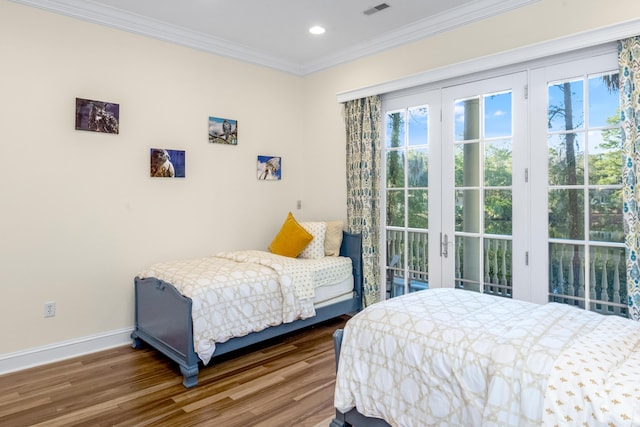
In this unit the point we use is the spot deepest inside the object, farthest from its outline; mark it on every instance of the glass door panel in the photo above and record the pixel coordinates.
(578, 126)
(407, 199)
(584, 193)
(480, 143)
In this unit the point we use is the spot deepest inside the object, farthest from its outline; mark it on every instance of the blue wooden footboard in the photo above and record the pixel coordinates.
(163, 317)
(163, 320)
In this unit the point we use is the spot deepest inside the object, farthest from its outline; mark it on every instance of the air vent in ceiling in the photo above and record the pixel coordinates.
(374, 9)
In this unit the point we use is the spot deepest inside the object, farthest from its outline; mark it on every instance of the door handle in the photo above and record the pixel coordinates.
(444, 245)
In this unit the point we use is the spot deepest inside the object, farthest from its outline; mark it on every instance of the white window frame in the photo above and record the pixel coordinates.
(535, 257)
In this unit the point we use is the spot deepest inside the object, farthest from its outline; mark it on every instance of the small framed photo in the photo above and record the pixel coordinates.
(166, 163)
(97, 116)
(223, 131)
(269, 168)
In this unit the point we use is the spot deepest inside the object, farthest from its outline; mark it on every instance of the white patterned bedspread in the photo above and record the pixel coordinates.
(446, 357)
(307, 274)
(234, 298)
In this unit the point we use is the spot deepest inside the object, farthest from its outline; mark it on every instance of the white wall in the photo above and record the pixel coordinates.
(80, 215)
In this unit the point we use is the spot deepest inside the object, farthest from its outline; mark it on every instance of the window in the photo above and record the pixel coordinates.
(477, 201)
(407, 195)
(583, 178)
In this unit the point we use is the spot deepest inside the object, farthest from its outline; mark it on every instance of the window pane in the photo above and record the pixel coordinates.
(605, 157)
(566, 214)
(467, 167)
(395, 169)
(468, 211)
(418, 208)
(497, 163)
(418, 260)
(566, 274)
(566, 159)
(497, 115)
(605, 215)
(395, 129)
(418, 131)
(497, 212)
(395, 208)
(418, 167)
(467, 119)
(566, 106)
(497, 267)
(467, 263)
(604, 101)
(608, 280)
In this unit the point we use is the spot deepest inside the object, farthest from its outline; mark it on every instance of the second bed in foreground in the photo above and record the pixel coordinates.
(454, 357)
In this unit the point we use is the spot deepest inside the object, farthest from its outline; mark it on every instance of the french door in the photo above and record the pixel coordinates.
(411, 176)
(484, 196)
(492, 192)
(455, 169)
(578, 144)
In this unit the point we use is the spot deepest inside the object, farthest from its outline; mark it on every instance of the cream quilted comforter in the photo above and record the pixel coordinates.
(236, 293)
(445, 357)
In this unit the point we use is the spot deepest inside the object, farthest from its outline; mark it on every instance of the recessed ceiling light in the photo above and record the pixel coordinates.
(317, 30)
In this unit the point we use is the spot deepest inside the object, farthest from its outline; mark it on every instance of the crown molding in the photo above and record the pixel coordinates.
(137, 24)
(142, 25)
(446, 21)
(559, 46)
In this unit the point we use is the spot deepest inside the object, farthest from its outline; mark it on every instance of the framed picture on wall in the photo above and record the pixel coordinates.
(97, 116)
(223, 131)
(166, 163)
(269, 168)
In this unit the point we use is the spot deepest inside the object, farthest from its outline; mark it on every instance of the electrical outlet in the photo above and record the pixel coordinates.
(49, 309)
(299, 204)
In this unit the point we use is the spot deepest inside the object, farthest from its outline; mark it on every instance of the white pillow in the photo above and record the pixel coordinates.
(333, 238)
(315, 249)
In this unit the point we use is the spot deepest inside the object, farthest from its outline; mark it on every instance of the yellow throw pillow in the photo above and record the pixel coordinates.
(291, 239)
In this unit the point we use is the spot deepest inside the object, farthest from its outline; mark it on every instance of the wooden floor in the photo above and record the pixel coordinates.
(288, 382)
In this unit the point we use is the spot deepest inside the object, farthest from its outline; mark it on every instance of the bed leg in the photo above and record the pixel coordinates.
(339, 421)
(337, 344)
(137, 342)
(190, 375)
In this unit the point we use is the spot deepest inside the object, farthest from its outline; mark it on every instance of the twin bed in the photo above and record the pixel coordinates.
(447, 357)
(437, 357)
(193, 310)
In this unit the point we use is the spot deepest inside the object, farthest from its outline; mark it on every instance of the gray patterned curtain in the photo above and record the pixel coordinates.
(363, 123)
(629, 60)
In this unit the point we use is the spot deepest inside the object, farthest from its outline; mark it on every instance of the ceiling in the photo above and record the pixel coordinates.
(275, 33)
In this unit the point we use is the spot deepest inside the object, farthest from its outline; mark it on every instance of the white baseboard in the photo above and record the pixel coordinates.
(37, 356)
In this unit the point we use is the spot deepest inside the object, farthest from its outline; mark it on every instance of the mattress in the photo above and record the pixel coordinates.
(334, 292)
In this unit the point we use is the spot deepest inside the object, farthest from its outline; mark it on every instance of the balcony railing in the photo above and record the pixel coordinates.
(417, 276)
(607, 287)
(567, 273)
(496, 266)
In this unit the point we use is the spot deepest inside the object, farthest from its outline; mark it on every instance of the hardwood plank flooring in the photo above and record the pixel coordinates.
(287, 381)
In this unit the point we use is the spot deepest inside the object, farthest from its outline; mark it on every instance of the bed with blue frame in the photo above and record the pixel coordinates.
(163, 317)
